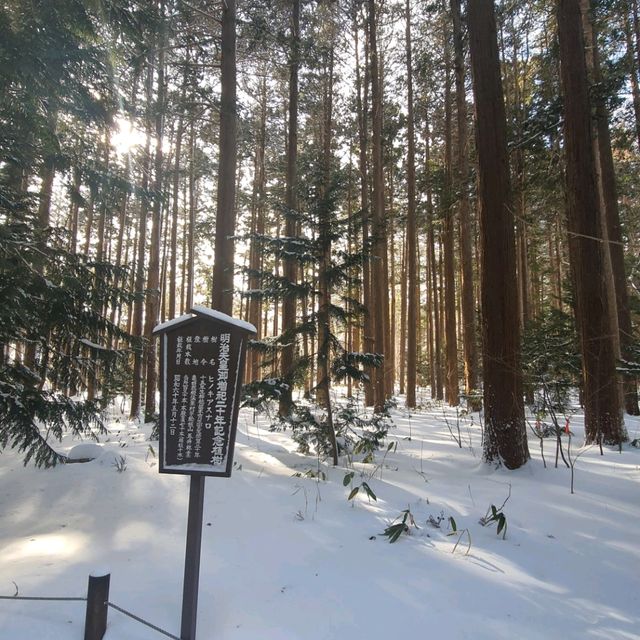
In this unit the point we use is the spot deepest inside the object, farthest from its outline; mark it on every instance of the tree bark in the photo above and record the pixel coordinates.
(257, 231)
(464, 213)
(505, 434)
(378, 293)
(138, 305)
(402, 348)
(611, 228)
(361, 102)
(632, 70)
(324, 237)
(412, 311)
(222, 288)
(152, 307)
(175, 204)
(102, 218)
(291, 186)
(75, 208)
(448, 240)
(603, 418)
(437, 392)
(390, 361)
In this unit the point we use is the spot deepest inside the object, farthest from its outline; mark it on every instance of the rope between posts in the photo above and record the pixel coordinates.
(80, 599)
(138, 619)
(43, 598)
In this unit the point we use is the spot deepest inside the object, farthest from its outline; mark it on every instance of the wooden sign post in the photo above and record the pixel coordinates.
(201, 369)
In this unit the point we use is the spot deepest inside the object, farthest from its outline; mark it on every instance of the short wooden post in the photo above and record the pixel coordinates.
(97, 606)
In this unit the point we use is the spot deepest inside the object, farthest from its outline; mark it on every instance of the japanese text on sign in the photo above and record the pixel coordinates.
(201, 371)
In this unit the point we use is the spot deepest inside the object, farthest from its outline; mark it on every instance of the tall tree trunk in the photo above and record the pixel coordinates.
(361, 102)
(152, 307)
(191, 222)
(429, 318)
(106, 190)
(555, 260)
(437, 392)
(386, 246)
(291, 186)
(222, 289)
(44, 214)
(172, 276)
(324, 233)
(611, 229)
(636, 29)
(390, 361)
(123, 227)
(46, 191)
(402, 350)
(257, 231)
(133, 272)
(164, 261)
(378, 292)
(464, 213)
(353, 337)
(448, 240)
(412, 276)
(518, 163)
(603, 419)
(138, 305)
(75, 208)
(505, 433)
(632, 70)
(89, 213)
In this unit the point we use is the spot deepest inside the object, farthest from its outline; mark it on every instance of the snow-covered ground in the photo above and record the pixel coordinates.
(286, 556)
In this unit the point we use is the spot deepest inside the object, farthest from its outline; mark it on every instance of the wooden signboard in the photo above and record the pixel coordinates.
(201, 364)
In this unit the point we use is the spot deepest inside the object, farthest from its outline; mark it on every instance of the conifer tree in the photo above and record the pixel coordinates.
(603, 416)
(505, 434)
(55, 301)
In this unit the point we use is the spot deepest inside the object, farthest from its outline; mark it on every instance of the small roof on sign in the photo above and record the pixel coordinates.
(170, 323)
(199, 310)
(223, 317)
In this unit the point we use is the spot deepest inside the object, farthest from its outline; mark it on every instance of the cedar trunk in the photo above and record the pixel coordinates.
(379, 300)
(152, 307)
(367, 329)
(138, 305)
(323, 394)
(505, 434)
(437, 391)
(464, 214)
(603, 419)
(633, 73)
(451, 338)
(619, 299)
(412, 313)
(290, 264)
(257, 229)
(222, 289)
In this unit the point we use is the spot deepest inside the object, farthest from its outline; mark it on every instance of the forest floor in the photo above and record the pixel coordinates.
(289, 557)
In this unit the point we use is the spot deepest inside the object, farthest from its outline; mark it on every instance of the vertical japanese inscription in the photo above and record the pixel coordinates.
(201, 366)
